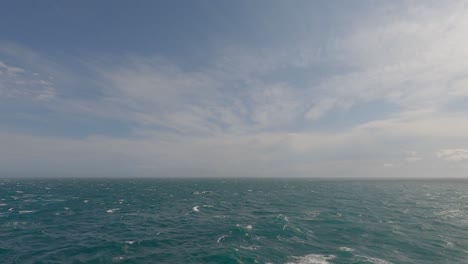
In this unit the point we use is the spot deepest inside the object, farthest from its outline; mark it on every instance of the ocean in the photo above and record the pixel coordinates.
(233, 221)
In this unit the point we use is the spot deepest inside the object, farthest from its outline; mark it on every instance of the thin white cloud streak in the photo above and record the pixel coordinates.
(19, 83)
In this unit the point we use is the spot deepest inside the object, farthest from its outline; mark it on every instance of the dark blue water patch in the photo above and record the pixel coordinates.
(232, 221)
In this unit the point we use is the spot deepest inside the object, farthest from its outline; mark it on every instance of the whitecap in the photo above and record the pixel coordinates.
(130, 242)
(449, 244)
(219, 216)
(312, 259)
(53, 200)
(221, 238)
(195, 208)
(3, 204)
(374, 260)
(208, 206)
(113, 210)
(250, 247)
(117, 259)
(346, 249)
(248, 227)
(27, 211)
(283, 217)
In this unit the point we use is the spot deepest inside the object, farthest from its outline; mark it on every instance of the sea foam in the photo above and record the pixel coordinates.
(312, 259)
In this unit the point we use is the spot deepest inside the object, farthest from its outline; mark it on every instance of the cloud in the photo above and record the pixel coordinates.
(453, 155)
(411, 56)
(413, 156)
(320, 108)
(10, 70)
(213, 99)
(253, 111)
(19, 83)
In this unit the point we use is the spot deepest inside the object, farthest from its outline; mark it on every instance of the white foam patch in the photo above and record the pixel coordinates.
(130, 242)
(250, 247)
(3, 204)
(312, 259)
(113, 210)
(283, 217)
(452, 213)
(449, 244)
(195, 208)
(219, 216)
(27, 211)
(118, 258)
(221, 238)
(375, 260)
(346, 249)
(248, 227)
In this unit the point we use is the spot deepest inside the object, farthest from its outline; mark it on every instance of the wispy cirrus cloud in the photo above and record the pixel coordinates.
(19, 83)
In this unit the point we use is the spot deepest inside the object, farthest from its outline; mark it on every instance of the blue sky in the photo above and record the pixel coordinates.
(234, 88)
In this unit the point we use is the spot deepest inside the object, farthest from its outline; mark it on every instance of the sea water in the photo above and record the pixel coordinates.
(233, 221)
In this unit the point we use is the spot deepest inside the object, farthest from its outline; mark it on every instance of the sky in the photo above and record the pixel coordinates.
(234, 88)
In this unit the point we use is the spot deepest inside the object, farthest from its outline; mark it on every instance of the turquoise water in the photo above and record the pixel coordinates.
(233, 221)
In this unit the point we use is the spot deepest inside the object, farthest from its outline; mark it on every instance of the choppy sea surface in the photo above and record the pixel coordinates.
(233, 221)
